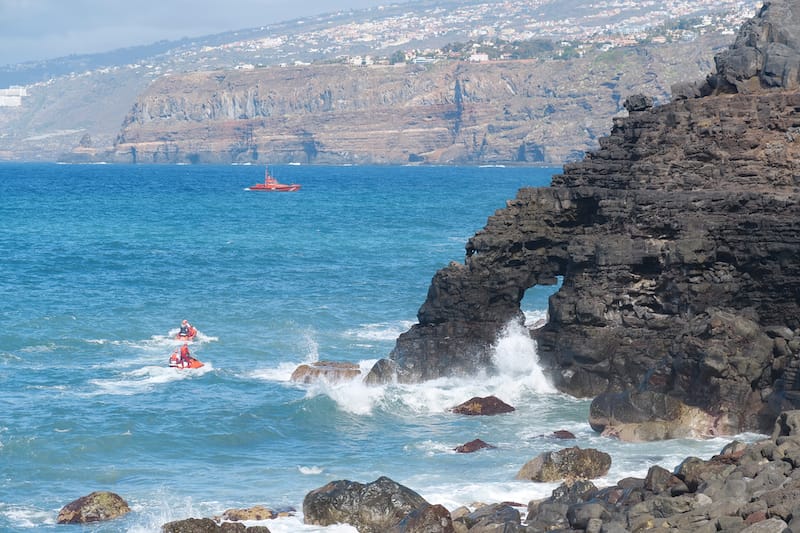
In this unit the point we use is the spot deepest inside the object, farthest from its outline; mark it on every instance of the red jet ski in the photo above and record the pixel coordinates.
(175, 362)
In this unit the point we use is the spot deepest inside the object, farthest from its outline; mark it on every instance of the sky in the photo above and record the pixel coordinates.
(45, 29)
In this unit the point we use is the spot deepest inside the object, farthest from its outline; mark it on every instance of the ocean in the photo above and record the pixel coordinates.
(100, 263)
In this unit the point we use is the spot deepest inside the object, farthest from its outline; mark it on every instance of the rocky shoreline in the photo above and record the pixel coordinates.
(746, 488)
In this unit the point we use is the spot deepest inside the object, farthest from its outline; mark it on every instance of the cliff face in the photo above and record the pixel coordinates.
(678, 242)
(449, 112)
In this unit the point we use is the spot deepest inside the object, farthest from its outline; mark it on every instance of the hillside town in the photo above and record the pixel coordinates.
(44, 111)
(381, 35)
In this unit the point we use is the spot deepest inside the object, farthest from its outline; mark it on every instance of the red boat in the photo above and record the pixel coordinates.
(271, 184)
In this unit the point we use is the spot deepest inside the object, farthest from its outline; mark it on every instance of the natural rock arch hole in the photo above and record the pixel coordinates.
(534, 303)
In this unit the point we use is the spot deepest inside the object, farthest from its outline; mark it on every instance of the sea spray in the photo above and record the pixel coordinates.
(517, 361)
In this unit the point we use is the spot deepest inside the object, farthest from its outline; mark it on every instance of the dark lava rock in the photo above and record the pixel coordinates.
(489, 405)
(370, 508)
(473, 446)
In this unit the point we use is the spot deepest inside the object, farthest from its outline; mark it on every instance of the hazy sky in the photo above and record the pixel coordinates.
(42, 29)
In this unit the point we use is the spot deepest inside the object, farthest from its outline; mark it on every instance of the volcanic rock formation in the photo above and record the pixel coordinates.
(678, 246)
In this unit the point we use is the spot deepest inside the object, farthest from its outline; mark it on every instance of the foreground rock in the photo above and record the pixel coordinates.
(370, 508)
(678, 243)
(207, 525)
(747, 488)
(96, 507)
(573, 463)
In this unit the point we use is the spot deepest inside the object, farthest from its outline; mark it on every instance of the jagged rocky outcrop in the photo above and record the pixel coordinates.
(677, 243)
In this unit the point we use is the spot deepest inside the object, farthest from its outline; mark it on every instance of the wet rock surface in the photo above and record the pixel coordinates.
(370, 508)
(330, 371)
(99, 506)
(489, 405)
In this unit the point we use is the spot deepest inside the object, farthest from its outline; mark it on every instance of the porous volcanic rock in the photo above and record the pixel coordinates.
(370, 508)
(98, 506)
(573, 463)
(331, 371)
(489, 405)
(207, 525)
(675, 244)
(473, 446)
(425, 519)
(259, 512)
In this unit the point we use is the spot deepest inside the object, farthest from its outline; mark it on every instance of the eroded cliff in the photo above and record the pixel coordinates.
(448, 112)
(678, 243)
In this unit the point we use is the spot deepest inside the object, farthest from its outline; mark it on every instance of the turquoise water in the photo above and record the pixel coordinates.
(98, 266)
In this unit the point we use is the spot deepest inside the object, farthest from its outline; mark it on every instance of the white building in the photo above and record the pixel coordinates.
(12, 97)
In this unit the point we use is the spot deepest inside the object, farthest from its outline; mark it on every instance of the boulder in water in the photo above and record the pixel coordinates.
(489, 405)
(96, 507)
(371, 508)
(567, 463)
(331, 371)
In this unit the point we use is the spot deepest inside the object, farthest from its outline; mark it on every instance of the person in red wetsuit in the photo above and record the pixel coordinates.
(185, 356)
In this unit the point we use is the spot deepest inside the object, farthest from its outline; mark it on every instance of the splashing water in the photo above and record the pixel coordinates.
(516, 358)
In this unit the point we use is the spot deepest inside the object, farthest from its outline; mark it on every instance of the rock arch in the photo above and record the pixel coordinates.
(678, 241)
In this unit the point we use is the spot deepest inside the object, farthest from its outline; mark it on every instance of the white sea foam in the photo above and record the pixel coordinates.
(146, 378)
(281, 373)
(518, 375)
(380, 331)
(515, 357)
(294, 524)
(26, 517)
(310, 470)
(164, 508)
(352, 396)
(535, 318)
(453, 496)
(432, 448)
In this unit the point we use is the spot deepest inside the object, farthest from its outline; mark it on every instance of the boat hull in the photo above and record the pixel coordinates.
(274, 188)
(193, 363)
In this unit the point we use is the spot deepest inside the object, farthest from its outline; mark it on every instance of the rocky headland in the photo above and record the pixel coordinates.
(676, 246)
